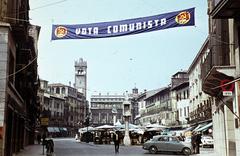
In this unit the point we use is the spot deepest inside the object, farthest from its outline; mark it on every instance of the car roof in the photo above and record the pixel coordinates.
(157, 136)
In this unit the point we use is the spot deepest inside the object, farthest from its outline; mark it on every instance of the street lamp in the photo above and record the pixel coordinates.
(126, 115)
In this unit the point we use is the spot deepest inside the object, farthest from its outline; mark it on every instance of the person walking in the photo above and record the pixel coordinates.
(43, 138)
(193, 142)
(39, 139)
(198, 142)
(116, 141)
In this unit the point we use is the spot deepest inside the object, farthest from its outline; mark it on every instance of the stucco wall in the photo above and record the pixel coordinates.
(3, 74)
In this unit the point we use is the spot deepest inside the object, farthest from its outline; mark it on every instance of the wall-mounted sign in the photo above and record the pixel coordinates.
(229, 87)
(44, 121)
(124, 27)
(227, 93)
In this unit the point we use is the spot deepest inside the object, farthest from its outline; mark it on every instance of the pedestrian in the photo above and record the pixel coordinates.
(193, 142)
(39, 139)
(198, 142)
(43, 138)
(116, 141)
(49, 147)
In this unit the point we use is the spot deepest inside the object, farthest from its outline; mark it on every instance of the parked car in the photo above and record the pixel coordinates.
(167, 143)
(188, 139)
(207, 141)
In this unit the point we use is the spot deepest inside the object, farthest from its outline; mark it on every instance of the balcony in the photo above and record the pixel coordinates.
(156, 111)
(225, 9)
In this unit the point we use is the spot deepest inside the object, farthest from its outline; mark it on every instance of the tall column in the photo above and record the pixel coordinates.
(99, 117)
(126, 139)
(114, 119)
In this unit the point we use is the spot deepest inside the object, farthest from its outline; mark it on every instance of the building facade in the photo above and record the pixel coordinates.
(200, 102)
(74, 105)
(222, 66)
(64, 106)
(176, 80)
(18, 77)
(107, 108)
(158, 107)
(183, 101)
(102, 107)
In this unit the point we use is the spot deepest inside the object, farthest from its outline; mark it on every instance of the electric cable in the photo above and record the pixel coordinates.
(43, 6)
(20, 69)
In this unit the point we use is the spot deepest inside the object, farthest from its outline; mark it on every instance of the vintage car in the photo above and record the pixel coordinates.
(207, 141)
(167, 143)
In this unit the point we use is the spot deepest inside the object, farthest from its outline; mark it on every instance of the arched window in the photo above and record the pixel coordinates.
(57, 90)
(63, 90)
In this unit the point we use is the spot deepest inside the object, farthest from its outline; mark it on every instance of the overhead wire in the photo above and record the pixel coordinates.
(25, 20)
(36, 8)
(20, 69)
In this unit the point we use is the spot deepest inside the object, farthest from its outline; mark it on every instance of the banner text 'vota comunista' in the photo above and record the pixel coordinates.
(124, 27)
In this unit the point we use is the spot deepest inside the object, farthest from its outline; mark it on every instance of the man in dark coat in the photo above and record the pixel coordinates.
(116, 141)
(193, 142)
(198, 142)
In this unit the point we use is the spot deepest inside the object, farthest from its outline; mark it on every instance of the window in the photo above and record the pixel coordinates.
(173, 139)
(167, 116)
(57, 90)
(63, 90)
(163, 139)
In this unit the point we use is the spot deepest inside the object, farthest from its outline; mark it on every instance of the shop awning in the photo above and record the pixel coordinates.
(56, 129)
(50, 129)
(204, 128)
(199, 126)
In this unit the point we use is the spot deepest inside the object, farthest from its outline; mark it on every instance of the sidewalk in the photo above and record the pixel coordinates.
(32, 150)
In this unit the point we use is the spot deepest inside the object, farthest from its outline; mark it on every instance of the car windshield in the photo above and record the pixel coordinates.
(207, 137)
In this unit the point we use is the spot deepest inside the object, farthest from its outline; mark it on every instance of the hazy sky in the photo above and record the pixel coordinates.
(117, 64)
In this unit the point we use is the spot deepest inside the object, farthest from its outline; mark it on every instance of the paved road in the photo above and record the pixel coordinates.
(69, 147)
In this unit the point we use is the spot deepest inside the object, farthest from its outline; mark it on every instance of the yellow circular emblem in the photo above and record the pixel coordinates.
(60, 31)
(183, 17)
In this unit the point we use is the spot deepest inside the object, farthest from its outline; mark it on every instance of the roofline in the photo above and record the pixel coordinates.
(181, 84)
(198, 55)
(163, 89)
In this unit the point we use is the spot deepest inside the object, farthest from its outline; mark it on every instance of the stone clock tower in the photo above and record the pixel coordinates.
(81, 76)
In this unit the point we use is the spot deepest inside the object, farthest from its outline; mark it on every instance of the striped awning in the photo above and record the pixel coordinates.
(205, 128)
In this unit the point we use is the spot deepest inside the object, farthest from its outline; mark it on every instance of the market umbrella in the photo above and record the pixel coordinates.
(105, 127)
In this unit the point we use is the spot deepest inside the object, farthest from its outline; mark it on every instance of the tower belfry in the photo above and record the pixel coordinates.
(81, 76)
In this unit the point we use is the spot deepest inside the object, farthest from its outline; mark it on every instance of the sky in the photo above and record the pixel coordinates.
(117, 64)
